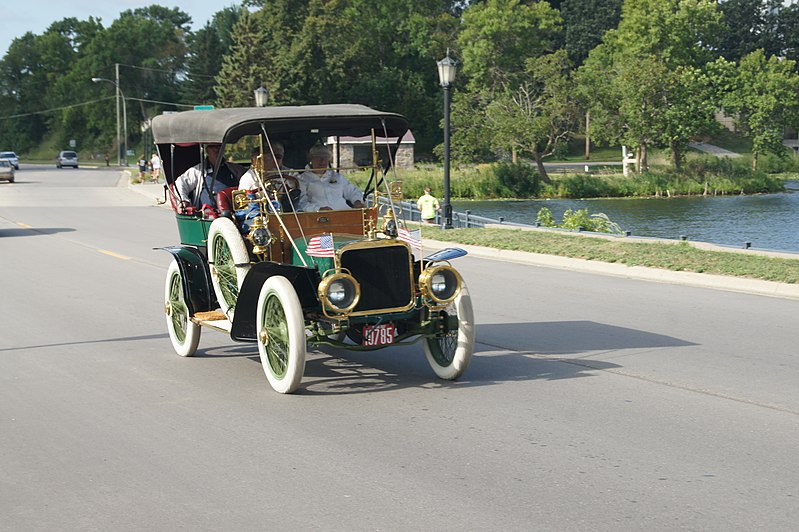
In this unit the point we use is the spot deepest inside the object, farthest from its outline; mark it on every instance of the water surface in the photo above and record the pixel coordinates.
(768, 221)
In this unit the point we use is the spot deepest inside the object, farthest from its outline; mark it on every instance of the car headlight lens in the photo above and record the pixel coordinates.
(260, 236)
(339, 292)
(440, 283)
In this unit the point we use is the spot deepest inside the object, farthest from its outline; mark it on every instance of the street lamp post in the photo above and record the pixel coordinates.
(447, 68)
(261, 96)
(124, 120)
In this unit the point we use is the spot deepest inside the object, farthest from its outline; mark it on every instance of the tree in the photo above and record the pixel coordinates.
(204, 61)
(763, 95)
(148, 44)
(677, 32)
(384, 56)
(586, 21)
(22, 85)
(538, 115)
(747, 26)
(245, 67)
(496, 40)
(645, 84)
(498, 36)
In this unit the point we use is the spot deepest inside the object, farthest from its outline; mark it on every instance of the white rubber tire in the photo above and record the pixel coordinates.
(449, 357)
(184, 333)
(281, 334)
(229, 263)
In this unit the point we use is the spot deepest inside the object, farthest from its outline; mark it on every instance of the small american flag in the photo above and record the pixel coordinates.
(320, 246)
(412, 238)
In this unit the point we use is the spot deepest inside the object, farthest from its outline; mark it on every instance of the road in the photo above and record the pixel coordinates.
(592, 403)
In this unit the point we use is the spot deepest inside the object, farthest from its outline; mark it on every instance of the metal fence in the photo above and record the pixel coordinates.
(465, 219)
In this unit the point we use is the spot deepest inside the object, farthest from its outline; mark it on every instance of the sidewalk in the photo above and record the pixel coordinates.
(713, 150)
(153, 190)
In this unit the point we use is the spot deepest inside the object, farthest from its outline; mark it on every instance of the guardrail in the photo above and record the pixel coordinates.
(411, 212)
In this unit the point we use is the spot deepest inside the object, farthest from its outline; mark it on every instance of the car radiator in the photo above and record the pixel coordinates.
(384, 273)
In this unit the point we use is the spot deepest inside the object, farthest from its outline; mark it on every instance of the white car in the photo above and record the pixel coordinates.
(6, 170)
(11, 156)
(67, 158)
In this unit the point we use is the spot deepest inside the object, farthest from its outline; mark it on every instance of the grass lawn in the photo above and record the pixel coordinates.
(679, 256)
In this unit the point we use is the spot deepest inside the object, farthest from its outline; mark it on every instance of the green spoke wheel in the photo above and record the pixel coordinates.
(184, 333)
(449, 355)
(281, 334)
(229, 262)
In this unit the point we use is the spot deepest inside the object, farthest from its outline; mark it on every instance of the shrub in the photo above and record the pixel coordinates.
(579, 220)
(517, 179)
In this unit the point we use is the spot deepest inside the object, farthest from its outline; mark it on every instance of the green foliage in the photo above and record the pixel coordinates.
(761, 92)
(701, 176)
(586, 21)
(519, 180)
(646, 84)
(245, 67)
(750, 25)
(205, 48)
(545, 218)
(538, 115)
(579, 220)
(497, 37)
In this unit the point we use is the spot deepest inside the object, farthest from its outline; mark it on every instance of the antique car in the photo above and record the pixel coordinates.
(254, 266)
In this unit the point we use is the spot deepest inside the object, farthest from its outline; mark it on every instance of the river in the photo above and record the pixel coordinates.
(767, 221)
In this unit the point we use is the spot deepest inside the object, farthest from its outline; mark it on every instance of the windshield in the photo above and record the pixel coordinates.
(7, 154)
(68, 154)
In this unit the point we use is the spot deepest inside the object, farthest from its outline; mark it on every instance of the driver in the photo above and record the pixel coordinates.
(324, 189)
(249, 180)
(197, 185)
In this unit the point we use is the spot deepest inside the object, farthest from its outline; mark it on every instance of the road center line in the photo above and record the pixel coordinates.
(112, 254)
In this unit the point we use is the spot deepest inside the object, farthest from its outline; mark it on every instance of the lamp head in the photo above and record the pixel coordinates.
(447, 68)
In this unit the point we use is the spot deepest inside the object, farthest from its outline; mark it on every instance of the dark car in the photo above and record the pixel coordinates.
(11, 156)
(67, 158)
(255, 267)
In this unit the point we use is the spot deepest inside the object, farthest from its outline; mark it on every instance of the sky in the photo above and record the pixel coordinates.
(22, 16)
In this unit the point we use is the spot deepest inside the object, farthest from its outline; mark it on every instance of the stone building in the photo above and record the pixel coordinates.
(357, 151)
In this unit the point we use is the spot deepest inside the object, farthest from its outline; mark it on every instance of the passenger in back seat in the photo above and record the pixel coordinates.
(198, 185)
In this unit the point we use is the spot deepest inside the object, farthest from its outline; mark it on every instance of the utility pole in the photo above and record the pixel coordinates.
(119, 136)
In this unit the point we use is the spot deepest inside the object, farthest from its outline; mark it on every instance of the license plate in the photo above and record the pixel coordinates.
(382, 334)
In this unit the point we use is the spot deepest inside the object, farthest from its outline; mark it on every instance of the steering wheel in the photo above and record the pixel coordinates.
(275, 183)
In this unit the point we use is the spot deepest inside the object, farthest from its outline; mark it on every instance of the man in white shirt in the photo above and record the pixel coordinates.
(324, 189)
(198, 185)
(249, 181)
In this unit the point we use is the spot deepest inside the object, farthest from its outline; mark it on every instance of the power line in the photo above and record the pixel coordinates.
(45, 111)
(164, 103)
(173, 72)
(57, 108)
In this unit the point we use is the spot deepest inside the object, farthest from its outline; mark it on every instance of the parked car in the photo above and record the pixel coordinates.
(256, 268)
(6, 170)
(11, 156)
(67, 158)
